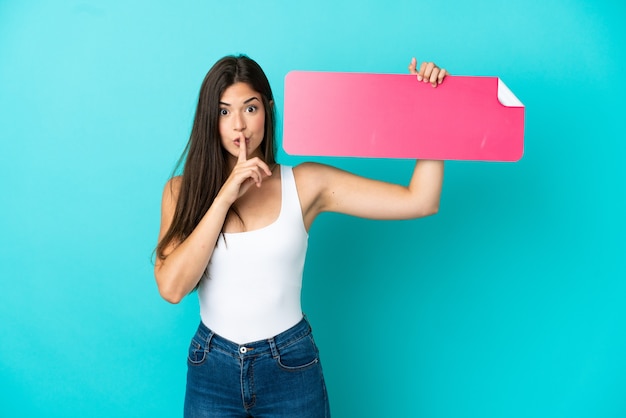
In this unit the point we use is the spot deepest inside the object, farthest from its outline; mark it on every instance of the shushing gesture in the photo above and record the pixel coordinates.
(245, 173)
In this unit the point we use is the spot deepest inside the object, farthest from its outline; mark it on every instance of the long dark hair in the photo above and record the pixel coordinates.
(205, 161)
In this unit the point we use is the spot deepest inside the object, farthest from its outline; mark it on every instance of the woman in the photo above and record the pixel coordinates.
(235, 226)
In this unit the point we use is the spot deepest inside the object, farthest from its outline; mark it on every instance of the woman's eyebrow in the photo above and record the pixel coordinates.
(246, 102)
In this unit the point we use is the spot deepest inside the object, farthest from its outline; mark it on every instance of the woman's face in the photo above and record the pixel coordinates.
(242, 115)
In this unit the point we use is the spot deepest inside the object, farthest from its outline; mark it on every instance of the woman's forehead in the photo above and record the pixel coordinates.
(238, 93)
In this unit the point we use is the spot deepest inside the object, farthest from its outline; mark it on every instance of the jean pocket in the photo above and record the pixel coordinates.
(197, 353)
(299, 356)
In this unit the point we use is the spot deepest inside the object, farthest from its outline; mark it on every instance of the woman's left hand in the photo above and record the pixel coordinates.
(428, 72)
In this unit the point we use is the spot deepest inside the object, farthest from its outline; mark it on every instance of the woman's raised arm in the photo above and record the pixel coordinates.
(328, 189)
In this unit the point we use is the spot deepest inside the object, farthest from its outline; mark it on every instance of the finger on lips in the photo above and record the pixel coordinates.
(242, 148)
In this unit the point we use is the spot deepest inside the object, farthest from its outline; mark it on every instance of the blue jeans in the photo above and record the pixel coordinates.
(276, 378)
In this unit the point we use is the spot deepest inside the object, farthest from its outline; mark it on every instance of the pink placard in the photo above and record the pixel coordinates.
(395, 116)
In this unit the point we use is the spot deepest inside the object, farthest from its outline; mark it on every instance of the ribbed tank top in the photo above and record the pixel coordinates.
(251, 289)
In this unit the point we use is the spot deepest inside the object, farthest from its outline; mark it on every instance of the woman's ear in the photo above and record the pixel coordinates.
(271, 103)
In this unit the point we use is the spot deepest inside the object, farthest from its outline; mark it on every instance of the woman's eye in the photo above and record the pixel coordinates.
(223, 112)
(251, 109)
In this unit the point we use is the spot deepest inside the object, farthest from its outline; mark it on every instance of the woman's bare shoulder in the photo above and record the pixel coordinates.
(172, 189)
(311, 168)
(175, 181)
(317, 173)
(310, 174)
(309, 177)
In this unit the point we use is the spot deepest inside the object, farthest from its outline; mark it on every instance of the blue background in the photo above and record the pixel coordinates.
(508, 303)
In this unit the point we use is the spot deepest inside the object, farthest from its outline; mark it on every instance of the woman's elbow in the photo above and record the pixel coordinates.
(425, 211)
(170, 296)
(167, 290)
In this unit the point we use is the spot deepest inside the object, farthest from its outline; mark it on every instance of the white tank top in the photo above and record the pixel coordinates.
(251, 289)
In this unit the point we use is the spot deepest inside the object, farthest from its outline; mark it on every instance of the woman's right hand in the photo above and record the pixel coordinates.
(185, 262)
(245, 173)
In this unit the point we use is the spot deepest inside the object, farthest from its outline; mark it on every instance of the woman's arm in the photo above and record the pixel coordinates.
(180, 271)
(328, 189)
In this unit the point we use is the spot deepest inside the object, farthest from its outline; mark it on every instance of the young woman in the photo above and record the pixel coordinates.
(235, 226)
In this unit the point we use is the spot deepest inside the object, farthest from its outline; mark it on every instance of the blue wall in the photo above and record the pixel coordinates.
(508, 303)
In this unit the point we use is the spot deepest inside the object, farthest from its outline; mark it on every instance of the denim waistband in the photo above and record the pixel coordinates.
(270, 345)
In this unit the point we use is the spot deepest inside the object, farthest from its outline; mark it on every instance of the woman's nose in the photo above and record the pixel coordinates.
(239, 122)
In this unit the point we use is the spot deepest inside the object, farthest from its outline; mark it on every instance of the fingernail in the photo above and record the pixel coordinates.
(419, 78)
